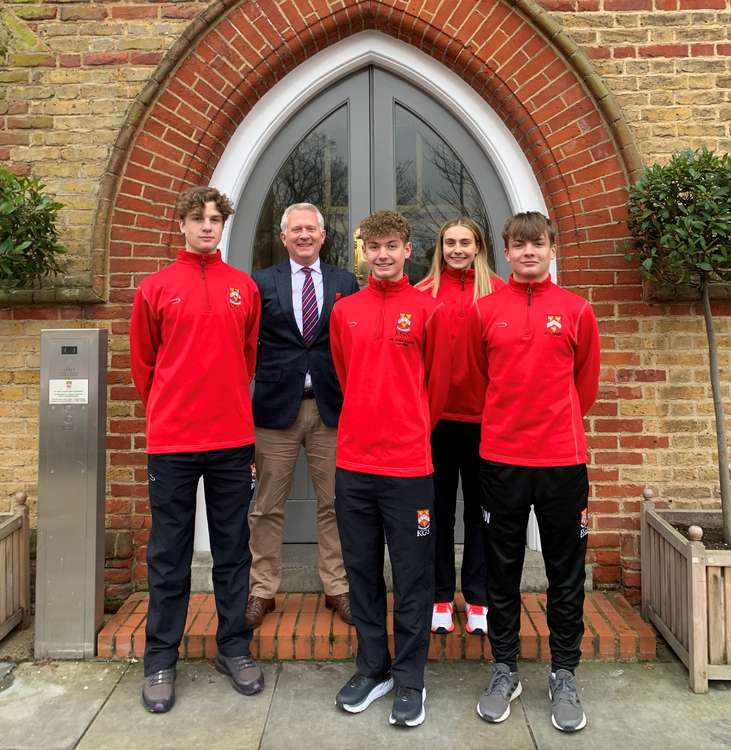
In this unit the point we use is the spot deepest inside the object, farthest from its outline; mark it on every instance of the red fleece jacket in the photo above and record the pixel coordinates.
(193, 339)
(467, 384)
(538, 344)
(390, 346)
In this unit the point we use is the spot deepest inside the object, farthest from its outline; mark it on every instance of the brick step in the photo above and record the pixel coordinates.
(302, 628)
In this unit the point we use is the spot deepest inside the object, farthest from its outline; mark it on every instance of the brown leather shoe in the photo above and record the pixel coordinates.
(256, 608)
(341, 604)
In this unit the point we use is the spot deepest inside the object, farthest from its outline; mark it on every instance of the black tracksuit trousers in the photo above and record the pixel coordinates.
(367, 506)
(173, 481)
(559, 495)
(456, 453)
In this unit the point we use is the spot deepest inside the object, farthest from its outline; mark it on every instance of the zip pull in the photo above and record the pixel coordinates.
(530, 294)
(461, 280)
(203, 269)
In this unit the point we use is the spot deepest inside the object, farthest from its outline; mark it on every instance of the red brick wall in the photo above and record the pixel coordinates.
(578, 143)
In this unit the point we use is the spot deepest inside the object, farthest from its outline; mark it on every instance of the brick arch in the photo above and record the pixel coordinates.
(513, 55)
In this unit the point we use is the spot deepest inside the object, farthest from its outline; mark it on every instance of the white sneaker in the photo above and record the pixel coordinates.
(441, 617)
(476, 619)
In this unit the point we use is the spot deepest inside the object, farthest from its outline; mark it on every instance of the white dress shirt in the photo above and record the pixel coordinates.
(298, 281)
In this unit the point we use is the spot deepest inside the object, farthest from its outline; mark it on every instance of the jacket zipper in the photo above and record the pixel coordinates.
(527, 333)
(205, 284)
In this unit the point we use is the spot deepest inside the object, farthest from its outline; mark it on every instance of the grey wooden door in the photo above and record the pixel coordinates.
(371, 141)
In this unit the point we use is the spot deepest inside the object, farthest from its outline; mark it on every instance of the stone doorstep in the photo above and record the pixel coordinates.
(302, 628)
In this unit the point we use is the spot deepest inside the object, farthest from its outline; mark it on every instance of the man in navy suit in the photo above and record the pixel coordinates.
(297, 402)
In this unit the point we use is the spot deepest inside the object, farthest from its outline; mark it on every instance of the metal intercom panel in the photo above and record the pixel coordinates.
(71, 493)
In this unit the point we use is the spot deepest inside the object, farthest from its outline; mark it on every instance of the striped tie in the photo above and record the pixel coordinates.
(309, 307)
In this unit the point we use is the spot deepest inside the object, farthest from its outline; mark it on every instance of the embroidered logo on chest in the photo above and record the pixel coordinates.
(403, 324)
(553, 325)
(234, 296)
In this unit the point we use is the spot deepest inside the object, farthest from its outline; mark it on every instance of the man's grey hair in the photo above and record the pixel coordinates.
(301, 207)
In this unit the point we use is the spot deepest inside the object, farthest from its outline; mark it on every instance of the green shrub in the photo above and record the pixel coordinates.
(29, 246)
(680, 218)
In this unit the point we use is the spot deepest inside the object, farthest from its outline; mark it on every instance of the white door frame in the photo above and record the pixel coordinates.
(314, 75)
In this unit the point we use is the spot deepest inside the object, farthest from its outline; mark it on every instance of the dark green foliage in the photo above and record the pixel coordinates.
(680, 219)
(29, 246)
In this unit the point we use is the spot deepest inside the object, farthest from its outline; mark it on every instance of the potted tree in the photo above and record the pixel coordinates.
(30, 250)
(680, 219)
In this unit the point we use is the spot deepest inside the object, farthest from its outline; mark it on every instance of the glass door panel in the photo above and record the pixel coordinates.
(315, 158)
(430, 168)
(316, 168)
(432, 186)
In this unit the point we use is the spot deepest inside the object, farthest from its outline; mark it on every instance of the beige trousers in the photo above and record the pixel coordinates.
(276, 456)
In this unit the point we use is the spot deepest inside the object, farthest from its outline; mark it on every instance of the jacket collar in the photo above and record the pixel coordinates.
(197, 259)
(387, 287)
(535, 287)
(450, 274)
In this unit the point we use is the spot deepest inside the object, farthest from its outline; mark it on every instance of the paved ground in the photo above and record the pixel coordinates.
(95, 704)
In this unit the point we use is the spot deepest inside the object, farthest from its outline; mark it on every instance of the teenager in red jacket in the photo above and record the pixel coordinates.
(459, 275)
(193, 337)
(390, 346)
(538, 346)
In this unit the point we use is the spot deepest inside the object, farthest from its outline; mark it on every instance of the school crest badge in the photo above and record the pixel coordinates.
(234, 296)
(423, 522)
(403, 324)
(553, 325)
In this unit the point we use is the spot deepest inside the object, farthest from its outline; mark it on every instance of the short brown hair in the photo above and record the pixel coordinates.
(195, 198)
(529, 226)
(382, 223)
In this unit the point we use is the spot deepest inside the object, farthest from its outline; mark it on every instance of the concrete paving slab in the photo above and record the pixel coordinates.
(303, 710)
(208, 713)
(632, 705)
(48, 706)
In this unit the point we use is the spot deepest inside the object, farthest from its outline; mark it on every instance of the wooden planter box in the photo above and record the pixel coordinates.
(15, 567)
(686, 592)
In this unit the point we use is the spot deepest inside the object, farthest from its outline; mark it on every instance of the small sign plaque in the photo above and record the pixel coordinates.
(68, 391)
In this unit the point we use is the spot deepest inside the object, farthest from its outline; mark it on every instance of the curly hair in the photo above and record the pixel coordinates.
(383, 223)
(529, 226)
(195, 198)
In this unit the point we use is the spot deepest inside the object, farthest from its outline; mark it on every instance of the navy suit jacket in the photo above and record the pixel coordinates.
(283, 359)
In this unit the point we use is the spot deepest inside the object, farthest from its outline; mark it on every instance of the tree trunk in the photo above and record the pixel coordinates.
(718, 408)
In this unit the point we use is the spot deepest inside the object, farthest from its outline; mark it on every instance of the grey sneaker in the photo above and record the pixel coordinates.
(245, 673)
(504, 687)
(567, 715)
(158, 691)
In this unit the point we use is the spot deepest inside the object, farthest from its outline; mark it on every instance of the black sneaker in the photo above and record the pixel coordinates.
(408, 707)
(567, 715)
(158, 691)
(360, 691)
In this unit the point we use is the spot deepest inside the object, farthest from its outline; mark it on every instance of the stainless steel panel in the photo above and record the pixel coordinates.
(71, 493)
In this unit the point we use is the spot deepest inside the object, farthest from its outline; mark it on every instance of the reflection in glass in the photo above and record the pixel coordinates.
(315, 172)
(432, 186)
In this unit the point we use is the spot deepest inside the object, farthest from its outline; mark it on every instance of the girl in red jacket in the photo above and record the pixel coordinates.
(460, 274)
